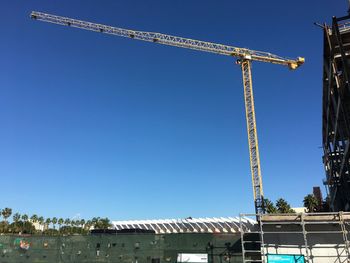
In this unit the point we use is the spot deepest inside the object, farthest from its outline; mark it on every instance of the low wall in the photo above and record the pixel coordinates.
(128, 248)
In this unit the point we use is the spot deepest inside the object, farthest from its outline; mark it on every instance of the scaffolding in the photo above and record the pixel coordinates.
(336, 112)
(315, 237)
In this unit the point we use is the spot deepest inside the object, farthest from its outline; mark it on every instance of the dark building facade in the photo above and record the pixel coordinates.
(336, 112)
(318, 194)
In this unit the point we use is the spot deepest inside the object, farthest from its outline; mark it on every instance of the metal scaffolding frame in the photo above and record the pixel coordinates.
(306, 227)
(336, 113)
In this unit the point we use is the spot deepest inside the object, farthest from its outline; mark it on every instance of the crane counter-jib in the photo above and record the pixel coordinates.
(245, 57)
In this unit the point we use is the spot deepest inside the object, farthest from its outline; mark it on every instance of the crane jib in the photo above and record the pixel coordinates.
(172, 40)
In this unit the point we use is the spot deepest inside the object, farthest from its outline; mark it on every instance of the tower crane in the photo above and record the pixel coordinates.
(244, 59)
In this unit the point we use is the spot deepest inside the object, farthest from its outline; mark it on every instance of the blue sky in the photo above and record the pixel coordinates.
(98, 125)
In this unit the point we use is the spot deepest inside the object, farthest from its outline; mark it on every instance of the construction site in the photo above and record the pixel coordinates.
(312, 237)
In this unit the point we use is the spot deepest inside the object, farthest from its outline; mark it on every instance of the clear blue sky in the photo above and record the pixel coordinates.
(99, 125)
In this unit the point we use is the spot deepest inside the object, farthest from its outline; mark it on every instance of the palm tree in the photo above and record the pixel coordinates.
(41, 221)
(25, 217)
(54, 222)
(60, 222)
(82, 223)
(67, 222)
(34, 218)
(16, 226)
(48, 222)
(88, 225)
(311, 203)
(6, 213)
(104, 223)
(16, 217)
(95, 221)
(269, 206)
(283, 206)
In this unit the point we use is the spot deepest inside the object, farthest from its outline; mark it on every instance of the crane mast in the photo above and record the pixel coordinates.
(245, 57)
(253, 145)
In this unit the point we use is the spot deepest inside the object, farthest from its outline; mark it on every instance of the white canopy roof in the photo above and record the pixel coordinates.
(188, 225)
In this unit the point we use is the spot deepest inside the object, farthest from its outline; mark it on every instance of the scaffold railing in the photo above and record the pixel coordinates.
(317, 237)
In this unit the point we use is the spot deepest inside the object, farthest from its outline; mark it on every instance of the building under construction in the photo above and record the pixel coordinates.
(280, 238)
(295, 238)
(336, 112)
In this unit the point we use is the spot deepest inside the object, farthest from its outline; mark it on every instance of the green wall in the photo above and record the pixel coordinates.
(128, 248)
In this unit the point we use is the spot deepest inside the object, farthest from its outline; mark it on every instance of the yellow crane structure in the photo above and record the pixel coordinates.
(244, 59)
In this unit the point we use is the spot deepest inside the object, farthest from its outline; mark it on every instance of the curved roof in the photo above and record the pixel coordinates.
(188, 225)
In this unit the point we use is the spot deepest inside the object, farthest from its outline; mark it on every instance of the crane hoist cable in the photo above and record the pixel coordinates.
(244, 58)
